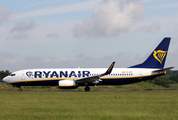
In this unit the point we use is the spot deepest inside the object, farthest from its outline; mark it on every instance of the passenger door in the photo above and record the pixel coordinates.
(139, 74)
(23, 76)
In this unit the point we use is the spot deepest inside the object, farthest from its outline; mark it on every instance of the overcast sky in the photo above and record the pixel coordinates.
(85, 33)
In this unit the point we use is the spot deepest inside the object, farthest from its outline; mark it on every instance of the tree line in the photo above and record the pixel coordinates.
(171, 77)
(4, 74)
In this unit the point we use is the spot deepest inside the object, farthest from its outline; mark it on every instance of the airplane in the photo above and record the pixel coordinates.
(71, 78)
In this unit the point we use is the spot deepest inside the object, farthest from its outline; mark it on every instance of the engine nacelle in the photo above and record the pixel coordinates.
(67, 84)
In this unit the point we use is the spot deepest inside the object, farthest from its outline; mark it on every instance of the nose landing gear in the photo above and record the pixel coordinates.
(20, 89)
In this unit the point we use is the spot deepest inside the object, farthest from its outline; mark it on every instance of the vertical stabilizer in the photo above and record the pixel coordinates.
(158, 56)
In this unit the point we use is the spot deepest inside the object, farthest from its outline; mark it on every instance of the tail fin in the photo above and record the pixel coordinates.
(158, 56)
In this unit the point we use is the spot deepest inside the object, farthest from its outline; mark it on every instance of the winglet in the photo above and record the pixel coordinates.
(109, 70)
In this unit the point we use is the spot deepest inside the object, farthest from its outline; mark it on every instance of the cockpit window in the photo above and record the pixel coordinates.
(12, 75)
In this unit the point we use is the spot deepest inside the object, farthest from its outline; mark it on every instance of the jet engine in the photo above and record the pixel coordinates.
(67, 84)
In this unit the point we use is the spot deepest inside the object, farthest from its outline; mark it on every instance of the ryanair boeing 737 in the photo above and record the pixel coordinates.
(65, 78)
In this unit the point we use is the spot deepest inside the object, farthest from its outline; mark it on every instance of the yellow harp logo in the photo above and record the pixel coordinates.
(159, 55)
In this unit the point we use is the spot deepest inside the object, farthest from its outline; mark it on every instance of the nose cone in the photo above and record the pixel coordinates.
(5, 79)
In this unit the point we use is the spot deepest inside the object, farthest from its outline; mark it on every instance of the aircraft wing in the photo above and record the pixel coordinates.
(96, 78)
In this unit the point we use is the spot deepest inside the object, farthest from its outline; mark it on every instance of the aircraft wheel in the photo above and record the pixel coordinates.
(87, 88)
(20, 90)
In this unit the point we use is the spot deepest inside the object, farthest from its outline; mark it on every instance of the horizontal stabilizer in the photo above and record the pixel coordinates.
(162, 70)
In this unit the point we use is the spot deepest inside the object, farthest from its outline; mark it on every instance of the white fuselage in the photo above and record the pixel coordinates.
(47, 77)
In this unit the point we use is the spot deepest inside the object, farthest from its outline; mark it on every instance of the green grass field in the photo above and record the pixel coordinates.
(89, 105)
(135, 86)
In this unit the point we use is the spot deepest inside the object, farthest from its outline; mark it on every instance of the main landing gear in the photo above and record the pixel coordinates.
(87, 89)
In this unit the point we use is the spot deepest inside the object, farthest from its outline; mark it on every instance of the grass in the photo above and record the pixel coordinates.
(136, 86)
(174, 86)
(89, 105)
